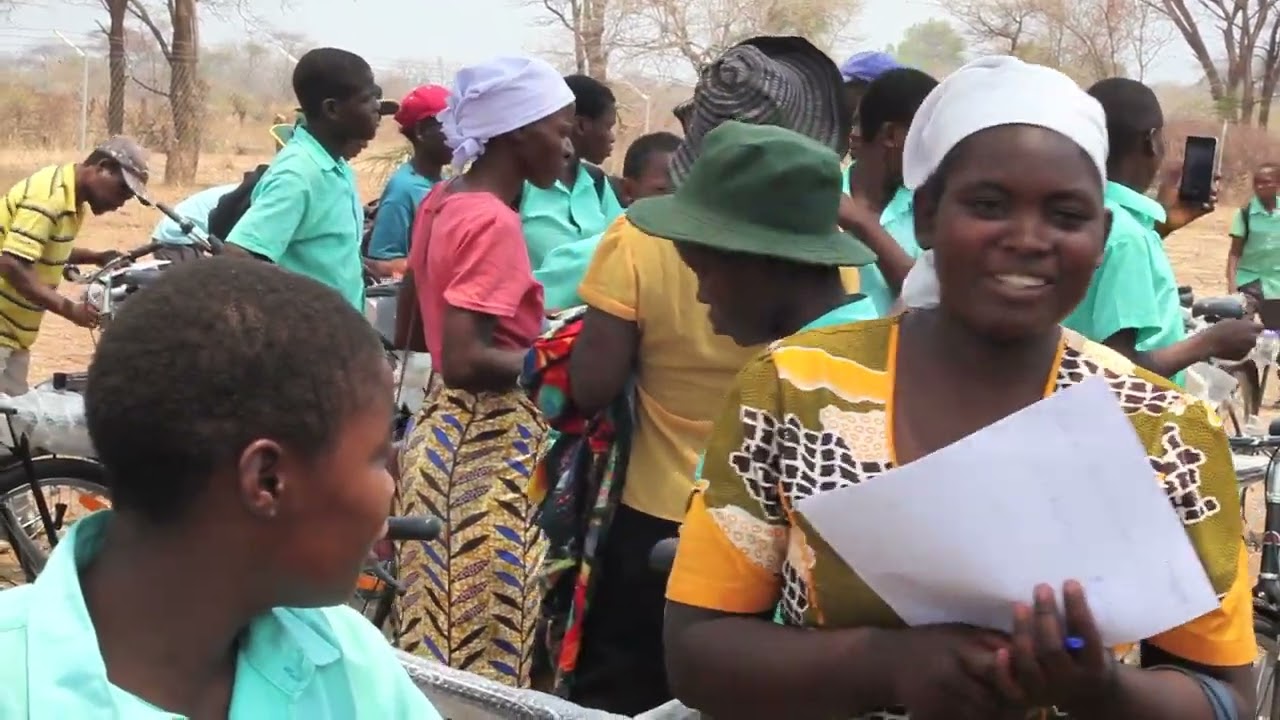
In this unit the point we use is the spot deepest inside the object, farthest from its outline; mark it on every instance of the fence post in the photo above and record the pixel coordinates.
(84, 91)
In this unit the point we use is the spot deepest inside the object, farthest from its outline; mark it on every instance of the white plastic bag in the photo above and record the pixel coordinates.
(51, 420)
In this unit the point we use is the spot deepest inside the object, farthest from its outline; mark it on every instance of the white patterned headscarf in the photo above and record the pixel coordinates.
(986, 93)
(496, 97)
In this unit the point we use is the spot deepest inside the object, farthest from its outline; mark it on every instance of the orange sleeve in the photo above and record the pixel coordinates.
(711, 572)
(735, 535)
(612, 283)
(1224, 637)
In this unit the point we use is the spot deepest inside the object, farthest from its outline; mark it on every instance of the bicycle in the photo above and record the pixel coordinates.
(26, 476)
(378, 587)
(1266, 591)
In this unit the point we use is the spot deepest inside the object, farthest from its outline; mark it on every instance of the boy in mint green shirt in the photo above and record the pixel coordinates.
(582, 203)
(884, 117)
(1132, 304)
(1253, 264)
(305, 214)
(644, 174)
(248, 476)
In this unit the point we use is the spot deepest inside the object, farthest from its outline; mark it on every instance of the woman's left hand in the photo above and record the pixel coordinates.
(1043, 668)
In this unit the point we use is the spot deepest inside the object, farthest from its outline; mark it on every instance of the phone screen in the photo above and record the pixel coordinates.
(1198, 169)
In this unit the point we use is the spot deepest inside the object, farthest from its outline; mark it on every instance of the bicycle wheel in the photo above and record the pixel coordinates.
(1266, 681)
(83, 481)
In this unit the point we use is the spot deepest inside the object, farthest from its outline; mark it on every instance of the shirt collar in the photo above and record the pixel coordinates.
(1148, 210)
(582, 178)
(63, 649)
(899, 205)
(1256, 207)
(316, 151)
(67, 175)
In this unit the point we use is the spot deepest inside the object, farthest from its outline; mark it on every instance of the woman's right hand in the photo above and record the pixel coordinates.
(941, 672)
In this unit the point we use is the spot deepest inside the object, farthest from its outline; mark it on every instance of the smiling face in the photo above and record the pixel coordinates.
(1265, 181)
(1016, 220)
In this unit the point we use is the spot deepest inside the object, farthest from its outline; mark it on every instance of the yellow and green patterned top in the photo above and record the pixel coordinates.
(814, 413)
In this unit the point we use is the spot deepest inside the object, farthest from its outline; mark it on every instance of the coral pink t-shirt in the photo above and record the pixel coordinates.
(467, 251)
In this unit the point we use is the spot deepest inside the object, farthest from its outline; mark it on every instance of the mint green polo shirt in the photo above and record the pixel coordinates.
(1134, 288)
(898, 220)
(294, 664)
(557, 215)
(305, 215)
(1260, 259)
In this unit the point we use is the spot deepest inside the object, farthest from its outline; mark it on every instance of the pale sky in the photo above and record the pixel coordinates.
(455, 32)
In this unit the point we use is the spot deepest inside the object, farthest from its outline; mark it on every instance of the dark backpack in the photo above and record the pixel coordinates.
(1244, 216)
(232, 206)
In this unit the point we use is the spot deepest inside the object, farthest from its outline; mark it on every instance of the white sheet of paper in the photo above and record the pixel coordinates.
(1060, 490)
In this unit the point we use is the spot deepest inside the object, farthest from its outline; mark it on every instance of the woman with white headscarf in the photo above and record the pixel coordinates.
(469, 299)
(1007, 162)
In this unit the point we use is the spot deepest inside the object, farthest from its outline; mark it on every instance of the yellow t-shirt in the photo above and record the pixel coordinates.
(39, 220)
(684, 369)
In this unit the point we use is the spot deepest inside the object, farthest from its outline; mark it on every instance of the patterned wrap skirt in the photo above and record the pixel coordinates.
(473, 595)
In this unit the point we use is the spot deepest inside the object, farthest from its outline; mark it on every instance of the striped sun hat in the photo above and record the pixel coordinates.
(783, 81)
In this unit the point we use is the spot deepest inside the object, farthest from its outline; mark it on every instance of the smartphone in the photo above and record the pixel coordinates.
(1199, 165)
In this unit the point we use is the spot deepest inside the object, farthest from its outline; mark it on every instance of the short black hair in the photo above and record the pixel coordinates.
(328, 73)
(214, 355)
(644, 147)
(893, 97)
(591, 98)
(1133, 112)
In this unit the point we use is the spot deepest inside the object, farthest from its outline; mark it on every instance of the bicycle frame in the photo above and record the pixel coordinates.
(30, 557)
(1267, 588)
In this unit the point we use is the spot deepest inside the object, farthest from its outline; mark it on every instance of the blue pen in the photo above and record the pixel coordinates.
(1074, 643)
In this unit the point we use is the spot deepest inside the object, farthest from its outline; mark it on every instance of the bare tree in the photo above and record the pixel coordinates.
(117, 63)
(1004, 26)
(594, 25)
(181, 50)
(695, 32)
(1240, 25)
(1269, 57)
(1149, 35)
(1088, 39)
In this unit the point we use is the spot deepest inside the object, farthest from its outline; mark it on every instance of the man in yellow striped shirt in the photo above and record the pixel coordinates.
(39, 221)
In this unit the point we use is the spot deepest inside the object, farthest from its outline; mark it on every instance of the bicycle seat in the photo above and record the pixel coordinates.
(1186, 296)
(1218, 308)
(1274, 428)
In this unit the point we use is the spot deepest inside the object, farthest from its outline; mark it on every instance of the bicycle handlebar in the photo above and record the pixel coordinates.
(1250, 442)
(419, 527)
(189, 228)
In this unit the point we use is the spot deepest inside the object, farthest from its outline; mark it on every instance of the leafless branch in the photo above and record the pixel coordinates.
(148, 88)
(139, 11)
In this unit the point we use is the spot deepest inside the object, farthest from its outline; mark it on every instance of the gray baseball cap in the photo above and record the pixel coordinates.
(132, 159)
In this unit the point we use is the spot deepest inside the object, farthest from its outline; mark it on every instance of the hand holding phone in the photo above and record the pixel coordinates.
(1199, 171)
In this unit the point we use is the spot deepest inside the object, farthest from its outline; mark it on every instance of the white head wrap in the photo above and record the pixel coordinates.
(991, 92)
(497, 97)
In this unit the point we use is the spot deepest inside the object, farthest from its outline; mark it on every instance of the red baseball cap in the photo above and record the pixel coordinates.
(424, 101)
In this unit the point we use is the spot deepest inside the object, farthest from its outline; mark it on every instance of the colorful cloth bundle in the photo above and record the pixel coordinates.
(577, 486)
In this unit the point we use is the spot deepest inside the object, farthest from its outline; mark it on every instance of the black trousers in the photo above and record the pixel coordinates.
(620, 668)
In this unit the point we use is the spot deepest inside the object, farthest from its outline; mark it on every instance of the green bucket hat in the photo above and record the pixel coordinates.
(758, 190)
